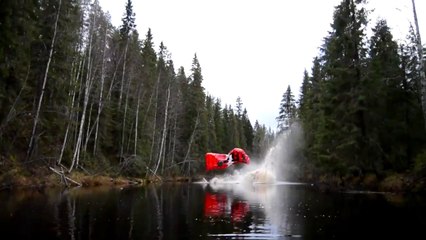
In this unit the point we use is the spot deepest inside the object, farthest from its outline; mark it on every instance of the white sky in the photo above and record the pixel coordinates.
(251, 48)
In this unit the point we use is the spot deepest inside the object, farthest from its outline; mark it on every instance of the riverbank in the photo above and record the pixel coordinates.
(45, 177)
(393, 183)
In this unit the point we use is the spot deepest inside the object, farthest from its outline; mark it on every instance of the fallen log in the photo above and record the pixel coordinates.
(65, 178)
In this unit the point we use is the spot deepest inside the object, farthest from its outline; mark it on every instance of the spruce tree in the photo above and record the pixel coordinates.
(219, 126)
(342, 127)
(287, 111)
(385, 100)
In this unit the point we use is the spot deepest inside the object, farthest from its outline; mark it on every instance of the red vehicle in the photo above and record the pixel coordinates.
(216, 161)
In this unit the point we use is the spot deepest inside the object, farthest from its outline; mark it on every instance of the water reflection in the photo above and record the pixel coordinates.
(264, 211)
(206, 211)
(218, 205)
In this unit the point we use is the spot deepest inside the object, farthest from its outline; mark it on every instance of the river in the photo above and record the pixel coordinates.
(282, 210)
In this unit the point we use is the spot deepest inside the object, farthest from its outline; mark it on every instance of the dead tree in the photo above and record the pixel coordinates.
(163, 137)
(87, 87)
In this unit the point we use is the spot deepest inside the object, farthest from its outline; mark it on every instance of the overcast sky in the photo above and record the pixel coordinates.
(251, 48)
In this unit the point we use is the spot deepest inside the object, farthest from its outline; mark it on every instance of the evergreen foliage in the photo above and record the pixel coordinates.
(287, 111)
(360, 107)
(111, 104)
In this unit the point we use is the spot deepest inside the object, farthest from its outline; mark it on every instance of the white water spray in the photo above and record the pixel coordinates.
(278, 164)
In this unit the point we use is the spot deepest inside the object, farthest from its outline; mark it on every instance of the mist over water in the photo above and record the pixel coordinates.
(280, 162)
(281, 158)
(258, 186)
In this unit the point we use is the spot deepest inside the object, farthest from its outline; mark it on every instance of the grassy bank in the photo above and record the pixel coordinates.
(45, 177)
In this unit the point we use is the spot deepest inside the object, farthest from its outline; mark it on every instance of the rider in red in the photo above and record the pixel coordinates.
(237, 155)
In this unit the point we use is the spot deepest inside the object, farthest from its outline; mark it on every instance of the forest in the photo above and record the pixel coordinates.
(362, 105)
(79, 94)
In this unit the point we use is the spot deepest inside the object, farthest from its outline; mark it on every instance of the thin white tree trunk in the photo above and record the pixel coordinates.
(100, 104)
(88, 129)
(155, 117)
(36, 118)
(137, 122)
(422, 63)
(124, 117)
(129, 138)
(122, 76)
(166, 119)
(153, 137)
(190, 143)
(163, 137)
(174, 141)
(76, 156)
(71, 111)
(111, 85)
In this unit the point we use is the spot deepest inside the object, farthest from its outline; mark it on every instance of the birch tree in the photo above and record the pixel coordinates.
(40, 99)
(126, 30)
(87, 89)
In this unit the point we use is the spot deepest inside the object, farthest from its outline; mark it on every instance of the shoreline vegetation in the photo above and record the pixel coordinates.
(44, 178)
(48, 177)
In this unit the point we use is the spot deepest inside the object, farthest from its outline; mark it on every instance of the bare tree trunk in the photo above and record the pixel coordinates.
(197, 121)
(166, 119)
(111, 85)
(122, 76)
(71, 111)
(76, 156)
(137, 122)
(124, 117)
(422, 63)
(153, 136)
(163, 137)
(40, 100)
(174, 141)
(100, 104)
(88, 129)
(136, 130)
(155, 117)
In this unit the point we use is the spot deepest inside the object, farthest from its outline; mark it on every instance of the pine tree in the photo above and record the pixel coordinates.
(211, 125)
(128, 21)
(247, 131)
(197, 91)
(287, 111)
(219, 126)
(342, 127)
(385, 99)
(149, 78)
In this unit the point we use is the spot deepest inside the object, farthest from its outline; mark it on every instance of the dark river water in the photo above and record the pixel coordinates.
(200, 211)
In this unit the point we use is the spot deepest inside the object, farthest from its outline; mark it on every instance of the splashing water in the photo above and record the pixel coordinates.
(276, 163)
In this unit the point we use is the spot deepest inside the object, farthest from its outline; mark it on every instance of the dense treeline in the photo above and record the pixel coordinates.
(360, 106)
(79, 93)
